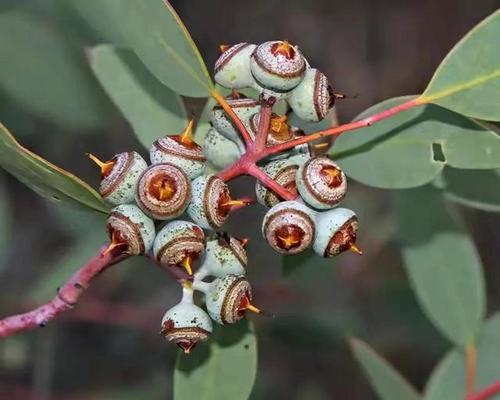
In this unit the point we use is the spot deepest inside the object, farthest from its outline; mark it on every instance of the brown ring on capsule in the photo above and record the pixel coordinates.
(323, 98)
(278, 64)
(286, 178)
(289, 231)
(343, 239)
(176, 250)
(228, 54)
(186, 338)
(324, 180)
(163, 191)
(121, 166)
(215, 196)
(173, 146)
(128, 232)
(236, 247)
(236, 300)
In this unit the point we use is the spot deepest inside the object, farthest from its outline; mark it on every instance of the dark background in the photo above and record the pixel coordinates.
(109, 347)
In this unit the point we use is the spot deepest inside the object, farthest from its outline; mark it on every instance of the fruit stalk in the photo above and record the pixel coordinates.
(66, 298)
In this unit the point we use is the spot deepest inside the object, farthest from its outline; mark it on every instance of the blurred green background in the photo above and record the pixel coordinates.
(109, 346)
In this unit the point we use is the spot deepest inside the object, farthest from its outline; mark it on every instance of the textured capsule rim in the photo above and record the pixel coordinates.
(300, 213)
(130, 224)
(188, 240)
(215, 220)
(329, 247)
(262, 64)
(270, 198)
(149, 208)
(186, 333)
(231, 52)
(320, 83)
(232, 295)
(246, 102)
(112, 181)
(176, 149)
(235, 246)
(316, 193)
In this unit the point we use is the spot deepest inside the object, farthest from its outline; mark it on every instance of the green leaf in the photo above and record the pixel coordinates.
(386, 381)
(468, 79)
(44, 177)
(6, 221)
(411, 148)
(152, 109)
(43, 73)
(447, 381)
(472, 188)
(160, 39)
(225, 368)
(442, 263)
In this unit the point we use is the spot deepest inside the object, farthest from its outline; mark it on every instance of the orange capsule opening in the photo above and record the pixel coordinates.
(284, 48)
(162, 187)
(332, 175)
(289, 236)
(279, 129)
(246, 305)
(117, 241)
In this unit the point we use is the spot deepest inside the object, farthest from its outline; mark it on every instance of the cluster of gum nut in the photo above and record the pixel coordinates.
(176, 184)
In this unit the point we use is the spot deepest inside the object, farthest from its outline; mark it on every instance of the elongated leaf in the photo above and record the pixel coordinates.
(5, 224)
(44, 177)
(40, 71)
(152, 109)
(472, 188)
(385, 380)
(442, 264)
(468, 79)
(224, 369)
(447, 381)
(411, 148)
(160, 39)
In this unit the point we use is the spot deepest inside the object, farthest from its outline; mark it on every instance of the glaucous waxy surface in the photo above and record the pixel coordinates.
(118, 186)
(283, 172)
(232, 68)
(335, 231)
(313, 98)
(321, 183)
(289, 227)
(219, 150)
(132, 227)
(223, 256)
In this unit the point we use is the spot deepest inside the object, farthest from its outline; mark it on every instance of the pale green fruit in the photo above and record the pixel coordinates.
(220, 151)
(232, 69)
(336, 232)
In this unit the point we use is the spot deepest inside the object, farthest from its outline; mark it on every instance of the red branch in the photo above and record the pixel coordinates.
(486, 393)
(66, 298)
(257, 150)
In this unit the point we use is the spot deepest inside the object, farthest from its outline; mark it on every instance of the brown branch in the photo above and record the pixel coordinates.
(66, 298)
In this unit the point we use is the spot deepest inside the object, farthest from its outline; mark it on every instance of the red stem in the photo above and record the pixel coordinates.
(486, 393)
(66, 298)
(270, 183)
(266, 111)
(336, 131)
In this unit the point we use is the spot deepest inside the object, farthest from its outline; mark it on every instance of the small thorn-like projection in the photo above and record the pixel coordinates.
(244, 241)
(320, 146)
(116, 242)
(186, 263)
(186, 346)
(186, 137)
(245, 305)
(355, 249)
(105, 166)
(284, 48)
(224, 47)
(237, 203)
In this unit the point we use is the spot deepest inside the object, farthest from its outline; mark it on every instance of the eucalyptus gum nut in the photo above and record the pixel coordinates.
(219, 150)
(178, 240)
(118, 187)
(224, 298)
(277, 65)
(244, 108)
(313, 98)
(232, 68)
(189, 158)
(335, 231)
(321, 183)
(281, 171)
(163, 191)
(209, 192)
(135, 228)
(289, 227)
(186, 324)
(223, 256)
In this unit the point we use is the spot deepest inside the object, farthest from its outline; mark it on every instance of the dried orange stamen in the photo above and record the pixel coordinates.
(187, 136)
(115, 243)
(246, 305)
(106, 167)
(284, 48)
(333, 175)
(224, 47)
(355, 249)
(186, 263)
